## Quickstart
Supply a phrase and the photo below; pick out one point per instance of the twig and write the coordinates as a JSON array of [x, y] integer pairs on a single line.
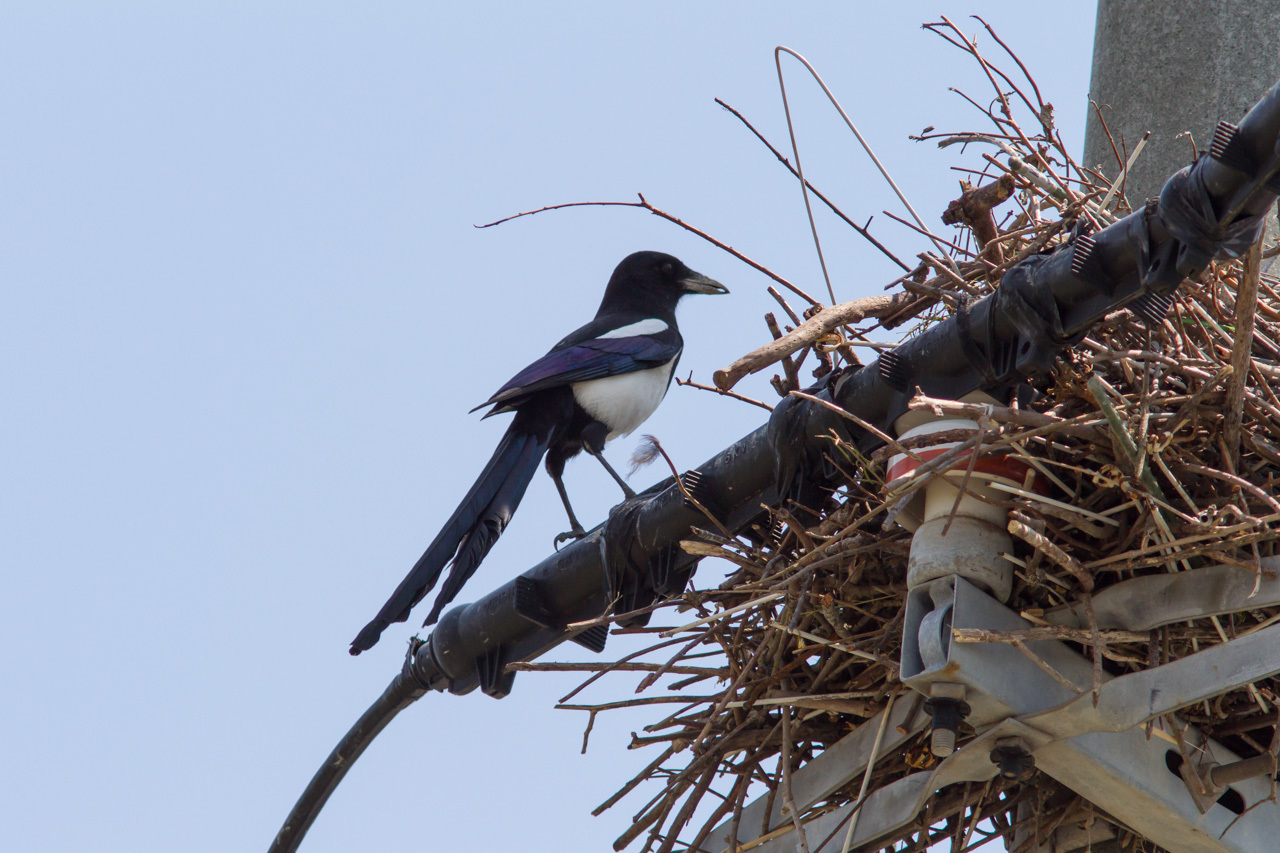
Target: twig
[[788, 799], [1045, 632], [1045, 666], [849, 122], [1246, 298], [722, 614], [722, 392], [808, 332], [1052, 551], [537, 666], [866, 775], [643, 204], [973, 208], [837, 211], [651, 444]]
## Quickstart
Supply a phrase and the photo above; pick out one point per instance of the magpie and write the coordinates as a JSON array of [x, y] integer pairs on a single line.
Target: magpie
[[597, 384]]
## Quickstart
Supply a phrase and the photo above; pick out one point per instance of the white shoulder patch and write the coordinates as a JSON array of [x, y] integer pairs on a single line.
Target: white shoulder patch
[[651, 326]]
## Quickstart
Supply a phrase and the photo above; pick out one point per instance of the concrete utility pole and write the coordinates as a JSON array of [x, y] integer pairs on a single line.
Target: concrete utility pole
[[1175, 66]]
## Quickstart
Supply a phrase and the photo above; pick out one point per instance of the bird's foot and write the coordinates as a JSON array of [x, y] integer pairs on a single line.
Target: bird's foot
[[569, 536]]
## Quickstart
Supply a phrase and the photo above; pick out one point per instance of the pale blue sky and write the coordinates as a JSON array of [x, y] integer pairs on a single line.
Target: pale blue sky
[[246, 312]]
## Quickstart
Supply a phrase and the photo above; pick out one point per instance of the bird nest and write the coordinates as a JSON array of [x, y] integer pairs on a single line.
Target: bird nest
[[1160, 448]]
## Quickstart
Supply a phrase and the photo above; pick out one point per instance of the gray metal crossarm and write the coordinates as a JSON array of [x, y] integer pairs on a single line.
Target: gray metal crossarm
[[896, 805], [834, 768], [1103, 754], [1150, 601], [1131, 700], [1129, 777]]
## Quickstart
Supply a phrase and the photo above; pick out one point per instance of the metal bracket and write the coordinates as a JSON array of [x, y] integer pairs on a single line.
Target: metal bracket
[[1102, 753], [830, 771], [1150, 601]]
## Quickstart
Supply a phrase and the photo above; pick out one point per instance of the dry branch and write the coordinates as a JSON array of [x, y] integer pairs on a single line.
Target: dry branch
[[809, 332], [973, 209]]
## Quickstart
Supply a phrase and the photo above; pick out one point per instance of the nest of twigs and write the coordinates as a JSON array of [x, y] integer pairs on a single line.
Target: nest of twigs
[[1161, 445]]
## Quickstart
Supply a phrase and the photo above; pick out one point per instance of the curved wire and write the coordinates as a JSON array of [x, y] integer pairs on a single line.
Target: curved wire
[[402, 692], [777, 57], [795, 152]]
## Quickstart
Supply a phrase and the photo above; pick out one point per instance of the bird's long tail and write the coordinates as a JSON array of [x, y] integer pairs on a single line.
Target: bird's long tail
[[469, 533]]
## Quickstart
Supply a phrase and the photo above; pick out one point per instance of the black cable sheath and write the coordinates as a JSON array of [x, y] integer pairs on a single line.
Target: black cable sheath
[[402, 692]]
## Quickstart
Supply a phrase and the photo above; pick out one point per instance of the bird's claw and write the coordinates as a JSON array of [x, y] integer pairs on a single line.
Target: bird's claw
[[569, 536]]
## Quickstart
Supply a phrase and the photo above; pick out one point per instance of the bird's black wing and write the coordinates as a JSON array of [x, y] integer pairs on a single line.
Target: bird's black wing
[[593, 358]]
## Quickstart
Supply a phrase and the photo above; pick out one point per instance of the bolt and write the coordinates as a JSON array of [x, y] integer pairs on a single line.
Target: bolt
[[946, 713], [1015, 762], [1222, 775], [942, 742]]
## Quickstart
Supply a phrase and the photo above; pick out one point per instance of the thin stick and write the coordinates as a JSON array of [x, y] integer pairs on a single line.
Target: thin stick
[[788, 800], [722, 614], [723, 392], [1045, 632], [1052, 551], [538, 666], [865, 146], [837, 211], [1246, 298], [643, 204], [1124, 172], [866, 776], [1044, 665]]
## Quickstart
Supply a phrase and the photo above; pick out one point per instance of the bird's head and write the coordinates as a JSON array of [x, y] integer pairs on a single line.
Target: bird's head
[[652, 282]]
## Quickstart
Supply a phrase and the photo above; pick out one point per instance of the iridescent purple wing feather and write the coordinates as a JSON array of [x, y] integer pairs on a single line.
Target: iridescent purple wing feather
[[592, 359]]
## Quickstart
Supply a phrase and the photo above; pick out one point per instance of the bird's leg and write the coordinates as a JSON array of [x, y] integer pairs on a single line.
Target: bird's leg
[[626, 490], [594, 435], [555, 467]]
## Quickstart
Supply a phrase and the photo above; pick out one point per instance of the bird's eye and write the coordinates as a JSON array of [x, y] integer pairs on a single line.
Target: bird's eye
[[668, 268]]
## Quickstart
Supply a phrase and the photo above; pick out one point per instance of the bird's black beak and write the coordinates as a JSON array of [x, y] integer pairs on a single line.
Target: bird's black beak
[[696, 282]]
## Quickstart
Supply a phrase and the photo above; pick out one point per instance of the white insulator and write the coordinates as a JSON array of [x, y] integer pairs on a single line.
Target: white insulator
[[971, 549], [961, 501]]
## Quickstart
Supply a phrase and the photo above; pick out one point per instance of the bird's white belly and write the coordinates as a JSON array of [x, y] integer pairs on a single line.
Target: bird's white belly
[[625, 401]]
